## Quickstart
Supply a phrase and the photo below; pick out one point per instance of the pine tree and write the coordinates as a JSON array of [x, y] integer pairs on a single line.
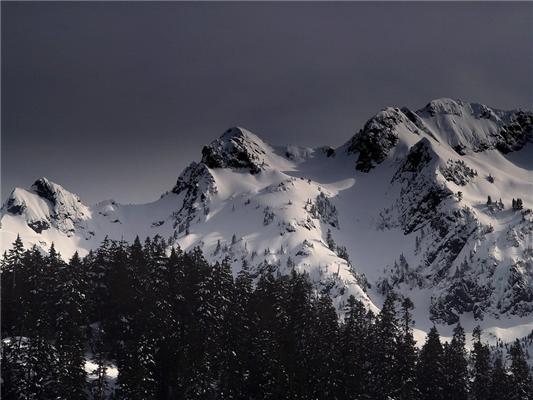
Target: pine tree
[[11, 268], [481, 367], [13, 371], [499, 387], [98, 265], [521, 384], [99, 386], [354, 348], [296, 335], [456, 367], [330, 241], [69, 338], [385, 380], [407, 354], [169, 355], [430, 372], [268, 378], [39, 379], [237, 367], [324, 351]]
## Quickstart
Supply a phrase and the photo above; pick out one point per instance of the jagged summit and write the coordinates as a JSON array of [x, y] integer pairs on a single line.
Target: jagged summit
[[473, 127], [46, 205], [237, 148], [380, 134], [465, 127]]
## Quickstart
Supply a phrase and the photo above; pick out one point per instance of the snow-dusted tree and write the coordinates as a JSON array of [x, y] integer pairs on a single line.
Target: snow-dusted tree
[[500, 384], [521, 382], [330, 241]]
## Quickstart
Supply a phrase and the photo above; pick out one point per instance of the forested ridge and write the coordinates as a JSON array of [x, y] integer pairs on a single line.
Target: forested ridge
[[177, 327]]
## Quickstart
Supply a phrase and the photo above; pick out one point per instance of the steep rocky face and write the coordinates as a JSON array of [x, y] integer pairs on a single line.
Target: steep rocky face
[[197, 185], [237, 148], [515, 134], [378, 137]]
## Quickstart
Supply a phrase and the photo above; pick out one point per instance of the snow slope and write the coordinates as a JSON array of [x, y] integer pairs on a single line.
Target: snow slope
[[404, 201]]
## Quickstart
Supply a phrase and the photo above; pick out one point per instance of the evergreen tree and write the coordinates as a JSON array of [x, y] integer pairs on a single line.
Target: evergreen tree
[[354, 347], [330, 241], [10, 270], [180, 328], [456, 367], [521, 384], [481, 371], [99, 386], [39, 379], [499, 387], [268, 378], [324, 354], [385, 380], [407, 354], [13, 371], [69, 338], [430, 372], [296, 337], [238, 363]]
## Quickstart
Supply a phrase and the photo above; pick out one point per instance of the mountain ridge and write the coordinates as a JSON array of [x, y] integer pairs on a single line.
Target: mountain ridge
[[401, 205]]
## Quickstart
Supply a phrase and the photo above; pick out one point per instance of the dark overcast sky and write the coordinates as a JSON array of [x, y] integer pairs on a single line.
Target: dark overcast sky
[[113, 100]]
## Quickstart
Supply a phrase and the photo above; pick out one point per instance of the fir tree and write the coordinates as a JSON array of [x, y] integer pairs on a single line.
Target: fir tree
[[521, 384], [354, 346], [456, 367], [430, 372], [268, 378], [407, 354], [385, 380], [324, 351], [330, 241], [481, 370], [499, 387], [68, 330], [237, 367]]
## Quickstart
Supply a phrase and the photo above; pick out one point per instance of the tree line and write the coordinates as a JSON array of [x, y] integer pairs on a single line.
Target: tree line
[[177, 327]]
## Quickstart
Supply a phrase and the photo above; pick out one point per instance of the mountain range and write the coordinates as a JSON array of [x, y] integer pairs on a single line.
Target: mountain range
[[434, 204]]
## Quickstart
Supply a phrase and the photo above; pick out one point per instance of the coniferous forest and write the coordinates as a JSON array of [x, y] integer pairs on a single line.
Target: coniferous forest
[[177, 327]]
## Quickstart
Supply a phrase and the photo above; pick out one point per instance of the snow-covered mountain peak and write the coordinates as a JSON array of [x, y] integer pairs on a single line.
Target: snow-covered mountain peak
[[447, 106], [48, 204], [238, 148], [381, 134], [473, 127]]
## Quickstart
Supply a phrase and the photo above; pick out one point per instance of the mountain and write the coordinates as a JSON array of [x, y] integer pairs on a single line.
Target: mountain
[[402, 205]]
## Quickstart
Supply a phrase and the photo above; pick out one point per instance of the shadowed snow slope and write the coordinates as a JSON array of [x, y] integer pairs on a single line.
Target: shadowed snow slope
[[402, 205]]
